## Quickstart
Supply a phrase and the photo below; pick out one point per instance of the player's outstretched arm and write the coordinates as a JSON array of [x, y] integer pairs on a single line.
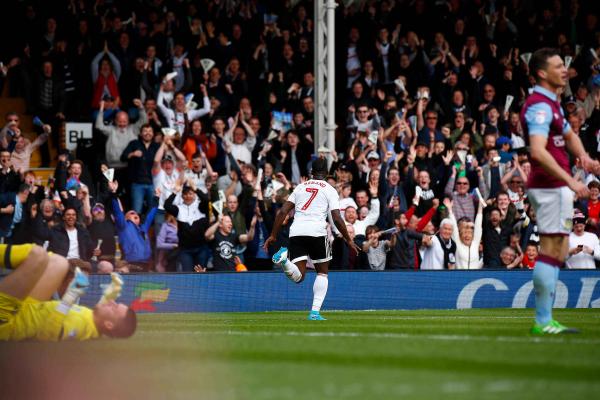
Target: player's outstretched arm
[[279, 218], [341, 226]]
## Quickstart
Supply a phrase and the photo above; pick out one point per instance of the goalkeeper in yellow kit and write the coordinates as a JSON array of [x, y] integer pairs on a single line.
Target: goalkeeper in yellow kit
[[27, 313]]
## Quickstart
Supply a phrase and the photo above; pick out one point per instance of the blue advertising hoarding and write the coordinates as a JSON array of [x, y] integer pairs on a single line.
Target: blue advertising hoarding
[[382, 290]]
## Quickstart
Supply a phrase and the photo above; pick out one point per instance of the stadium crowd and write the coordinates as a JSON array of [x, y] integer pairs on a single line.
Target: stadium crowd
[[203, 111]]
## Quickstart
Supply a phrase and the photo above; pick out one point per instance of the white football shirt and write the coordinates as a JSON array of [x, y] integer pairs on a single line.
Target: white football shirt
[[313, 201]]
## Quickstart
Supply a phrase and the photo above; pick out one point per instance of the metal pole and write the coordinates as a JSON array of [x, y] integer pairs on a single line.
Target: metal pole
[[330, 124], [319, 65]]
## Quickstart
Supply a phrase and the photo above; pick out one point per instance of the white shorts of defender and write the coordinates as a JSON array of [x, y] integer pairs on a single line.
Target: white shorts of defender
[[554, 209]]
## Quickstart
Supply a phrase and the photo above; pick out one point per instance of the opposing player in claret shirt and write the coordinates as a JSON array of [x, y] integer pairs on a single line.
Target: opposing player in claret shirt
[[312, 202], [550, 184]]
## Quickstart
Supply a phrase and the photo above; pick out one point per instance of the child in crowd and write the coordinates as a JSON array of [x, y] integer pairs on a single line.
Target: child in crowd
[[531, 254], [377, 249]]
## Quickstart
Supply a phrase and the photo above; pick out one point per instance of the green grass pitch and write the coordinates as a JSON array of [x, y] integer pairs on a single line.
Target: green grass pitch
[[469, 354]]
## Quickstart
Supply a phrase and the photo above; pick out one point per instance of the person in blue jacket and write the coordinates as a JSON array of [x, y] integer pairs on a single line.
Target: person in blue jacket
[[133, 234]]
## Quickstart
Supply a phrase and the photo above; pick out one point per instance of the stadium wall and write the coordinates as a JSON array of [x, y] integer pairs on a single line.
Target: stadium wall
[[385, 290]]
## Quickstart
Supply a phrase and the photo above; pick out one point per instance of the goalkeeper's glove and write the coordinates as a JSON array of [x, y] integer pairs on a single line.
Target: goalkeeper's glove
[[77, 288], [112, 291]]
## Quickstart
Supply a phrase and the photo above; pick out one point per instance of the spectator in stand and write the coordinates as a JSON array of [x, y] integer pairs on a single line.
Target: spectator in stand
[[11, 210], [50, 105], [70, 239], [375, 248], [224, 241], [440, 250], [463, 203], [166, 175], [119, 136], [106, 71], [180, 117], [362, 118], [593, 203], [167, 242], [48, 214], [199, 171], [102, 228], [139, 156], [153, 118], [510, 259], [242, 140], [196, 140], [133, 235], [21, 155], [70, 175], [467, 236], [190, 210], [360, 226], [496, 236], [405, 254], [294, 158], [531, 254], [429, 133], [584, 247], [425, 192], [345, 257], [9, 177], [237, 215], [255, 255], [10, 132], [492, 171]]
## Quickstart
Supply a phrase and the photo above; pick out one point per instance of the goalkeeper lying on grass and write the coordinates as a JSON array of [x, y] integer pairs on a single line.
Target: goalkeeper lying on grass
[[27, 313]]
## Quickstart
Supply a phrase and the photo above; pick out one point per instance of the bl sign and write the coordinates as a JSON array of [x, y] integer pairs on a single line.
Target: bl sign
[[75, 131]]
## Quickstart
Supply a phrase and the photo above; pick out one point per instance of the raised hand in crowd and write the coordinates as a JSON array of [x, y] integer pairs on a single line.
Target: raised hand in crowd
[[113, 186]]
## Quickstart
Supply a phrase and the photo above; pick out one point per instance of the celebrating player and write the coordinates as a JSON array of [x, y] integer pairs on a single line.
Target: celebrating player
[[26, 313], [312, 202], [551, 185]]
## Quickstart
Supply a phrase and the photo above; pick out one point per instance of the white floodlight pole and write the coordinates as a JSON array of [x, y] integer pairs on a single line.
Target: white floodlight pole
[[324, 119]]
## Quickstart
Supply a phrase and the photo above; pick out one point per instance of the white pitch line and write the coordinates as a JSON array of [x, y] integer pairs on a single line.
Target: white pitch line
[[389, 335]]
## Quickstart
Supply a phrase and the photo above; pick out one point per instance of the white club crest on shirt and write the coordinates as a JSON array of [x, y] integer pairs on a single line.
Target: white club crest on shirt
[[540, 116]]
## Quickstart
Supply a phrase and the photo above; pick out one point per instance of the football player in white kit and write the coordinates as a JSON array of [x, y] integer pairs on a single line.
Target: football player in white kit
[[312, 202]]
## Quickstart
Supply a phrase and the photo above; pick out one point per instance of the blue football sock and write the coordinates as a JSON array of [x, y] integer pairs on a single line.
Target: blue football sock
[[544, 284], [556, 272]]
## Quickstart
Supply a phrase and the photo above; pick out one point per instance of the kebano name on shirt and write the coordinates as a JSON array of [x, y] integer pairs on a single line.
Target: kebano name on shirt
[[315, 182]]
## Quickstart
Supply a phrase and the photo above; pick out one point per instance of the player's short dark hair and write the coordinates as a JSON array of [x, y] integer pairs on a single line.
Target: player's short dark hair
[[319, 167], [126, 327], [539, 60]]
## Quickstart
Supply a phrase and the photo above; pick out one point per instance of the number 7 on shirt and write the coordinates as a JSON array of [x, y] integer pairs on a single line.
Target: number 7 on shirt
[[313, 193]]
